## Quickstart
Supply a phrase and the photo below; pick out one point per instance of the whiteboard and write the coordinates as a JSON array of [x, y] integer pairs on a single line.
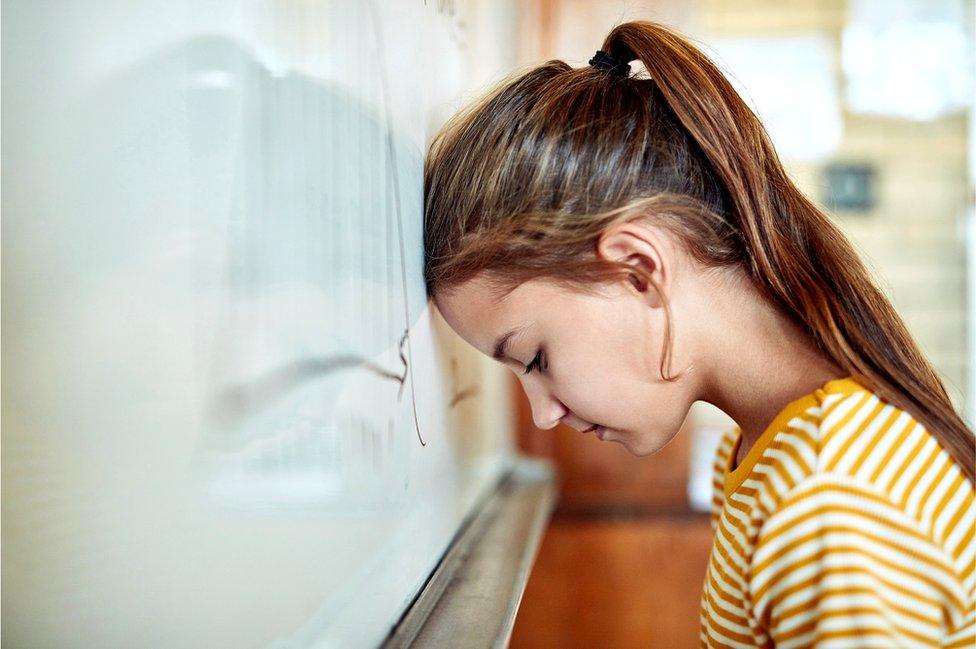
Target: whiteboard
[[229, 417]]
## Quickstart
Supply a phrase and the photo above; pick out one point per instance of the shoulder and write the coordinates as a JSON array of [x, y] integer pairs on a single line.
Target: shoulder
[[852, 433], [867, 441], [852, 448]]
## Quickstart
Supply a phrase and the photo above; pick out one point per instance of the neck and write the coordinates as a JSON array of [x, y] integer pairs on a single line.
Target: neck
[[760, 363]]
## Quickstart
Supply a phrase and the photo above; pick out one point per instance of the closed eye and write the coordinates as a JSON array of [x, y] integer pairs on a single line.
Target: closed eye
[[535, 361]]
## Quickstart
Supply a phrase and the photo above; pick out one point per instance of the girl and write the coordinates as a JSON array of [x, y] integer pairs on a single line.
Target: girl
[[593, 230]]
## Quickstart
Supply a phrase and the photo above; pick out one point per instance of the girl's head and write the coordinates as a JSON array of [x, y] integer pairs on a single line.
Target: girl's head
[[614, 212], [581, 354]]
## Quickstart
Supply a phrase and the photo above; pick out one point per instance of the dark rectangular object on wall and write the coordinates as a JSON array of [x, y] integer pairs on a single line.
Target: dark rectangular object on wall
[[849, 186]]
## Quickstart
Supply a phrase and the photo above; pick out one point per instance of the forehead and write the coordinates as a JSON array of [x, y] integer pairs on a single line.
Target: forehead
[[474, 311]]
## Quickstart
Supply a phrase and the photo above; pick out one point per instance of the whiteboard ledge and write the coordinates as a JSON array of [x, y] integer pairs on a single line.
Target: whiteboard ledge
[[474, 592]]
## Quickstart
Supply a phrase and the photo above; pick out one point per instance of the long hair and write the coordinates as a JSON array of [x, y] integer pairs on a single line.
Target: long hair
[[522, 183]]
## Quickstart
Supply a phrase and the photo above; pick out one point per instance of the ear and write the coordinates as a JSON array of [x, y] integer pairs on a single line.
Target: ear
[[639, 244]]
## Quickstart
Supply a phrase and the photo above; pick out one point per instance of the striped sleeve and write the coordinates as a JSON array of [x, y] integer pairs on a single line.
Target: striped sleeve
[[838, 565]]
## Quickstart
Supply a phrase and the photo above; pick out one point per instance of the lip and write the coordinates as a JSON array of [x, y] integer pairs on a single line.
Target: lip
[[595, 428]]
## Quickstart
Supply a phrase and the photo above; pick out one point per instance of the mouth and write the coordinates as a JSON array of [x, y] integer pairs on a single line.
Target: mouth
[[599, 430]]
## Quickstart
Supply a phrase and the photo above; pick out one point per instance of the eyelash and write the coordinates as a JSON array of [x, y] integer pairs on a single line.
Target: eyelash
[[536, 360]]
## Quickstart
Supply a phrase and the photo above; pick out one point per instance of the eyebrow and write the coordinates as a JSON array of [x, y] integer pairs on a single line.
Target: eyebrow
[[501, 345]]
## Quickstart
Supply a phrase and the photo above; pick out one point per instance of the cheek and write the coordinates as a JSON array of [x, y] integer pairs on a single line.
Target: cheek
[[606, 368], [601, 372], [598, 388]]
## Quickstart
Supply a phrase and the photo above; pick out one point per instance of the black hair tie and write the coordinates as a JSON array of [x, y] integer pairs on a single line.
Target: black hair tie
[[607, 61]]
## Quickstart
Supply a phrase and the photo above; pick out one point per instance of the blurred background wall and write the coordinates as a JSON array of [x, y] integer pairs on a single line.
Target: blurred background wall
[[869, 103]]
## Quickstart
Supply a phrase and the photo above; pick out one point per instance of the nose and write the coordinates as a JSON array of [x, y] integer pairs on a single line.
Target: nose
[[547, 410]]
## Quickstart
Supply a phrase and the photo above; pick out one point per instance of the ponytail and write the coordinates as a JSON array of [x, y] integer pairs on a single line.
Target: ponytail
[[797, 256]]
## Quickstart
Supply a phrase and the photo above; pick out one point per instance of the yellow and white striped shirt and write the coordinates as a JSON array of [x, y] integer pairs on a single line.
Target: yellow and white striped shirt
[[846, 525]]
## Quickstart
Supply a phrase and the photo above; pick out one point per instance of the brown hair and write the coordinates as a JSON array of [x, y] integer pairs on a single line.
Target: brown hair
[[522, 183]]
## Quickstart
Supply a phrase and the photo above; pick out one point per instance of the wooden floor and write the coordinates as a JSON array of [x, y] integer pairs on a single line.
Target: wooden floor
[[635, 581]]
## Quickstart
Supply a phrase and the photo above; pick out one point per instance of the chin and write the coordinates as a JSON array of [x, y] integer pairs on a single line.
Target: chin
[[641, 452], [642, 448], [637, 451]]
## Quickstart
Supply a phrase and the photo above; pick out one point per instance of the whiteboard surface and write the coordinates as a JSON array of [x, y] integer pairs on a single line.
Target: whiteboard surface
[[229, 419]]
